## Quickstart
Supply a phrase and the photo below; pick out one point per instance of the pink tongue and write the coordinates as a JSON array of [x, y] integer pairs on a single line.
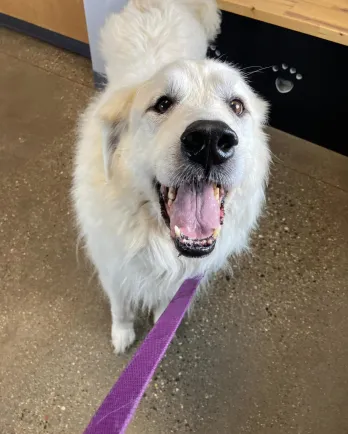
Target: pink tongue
[[195, 211]]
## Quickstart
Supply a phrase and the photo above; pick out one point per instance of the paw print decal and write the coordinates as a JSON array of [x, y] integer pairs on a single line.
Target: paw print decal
[[286, 77], [213, 51]]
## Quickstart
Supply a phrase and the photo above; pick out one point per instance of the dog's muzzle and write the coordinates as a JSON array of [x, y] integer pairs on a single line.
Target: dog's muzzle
[[208, 143]]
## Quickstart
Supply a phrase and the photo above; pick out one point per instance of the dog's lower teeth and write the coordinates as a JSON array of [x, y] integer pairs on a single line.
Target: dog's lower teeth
[[170, 202], [203, 242]]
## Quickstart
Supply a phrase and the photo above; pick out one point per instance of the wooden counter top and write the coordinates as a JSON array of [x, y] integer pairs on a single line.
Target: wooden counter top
[[326, 19]]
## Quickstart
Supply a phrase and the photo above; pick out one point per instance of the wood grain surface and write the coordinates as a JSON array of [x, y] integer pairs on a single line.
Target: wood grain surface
[[326, 19], [66, 17]]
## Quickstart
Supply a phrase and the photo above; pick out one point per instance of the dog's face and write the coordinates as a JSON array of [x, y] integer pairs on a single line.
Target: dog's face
[[191, 135]]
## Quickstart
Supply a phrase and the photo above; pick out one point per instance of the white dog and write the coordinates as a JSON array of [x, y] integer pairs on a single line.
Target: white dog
[[171, 162]]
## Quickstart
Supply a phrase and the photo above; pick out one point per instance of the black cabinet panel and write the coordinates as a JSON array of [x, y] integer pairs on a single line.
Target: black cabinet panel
[[305, 80]]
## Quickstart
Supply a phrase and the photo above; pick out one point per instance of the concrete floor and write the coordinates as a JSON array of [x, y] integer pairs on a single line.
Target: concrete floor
[[265, 353]]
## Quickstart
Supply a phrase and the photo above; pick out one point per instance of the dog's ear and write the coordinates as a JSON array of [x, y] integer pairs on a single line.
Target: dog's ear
[[114, 113]]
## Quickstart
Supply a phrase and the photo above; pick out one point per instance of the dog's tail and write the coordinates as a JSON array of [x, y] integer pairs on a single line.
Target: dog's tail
[[206, 11], [208, 14], [112, 34]]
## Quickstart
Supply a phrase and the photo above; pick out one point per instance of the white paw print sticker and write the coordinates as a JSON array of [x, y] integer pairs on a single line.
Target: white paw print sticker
[[286, 77], [216, 52]]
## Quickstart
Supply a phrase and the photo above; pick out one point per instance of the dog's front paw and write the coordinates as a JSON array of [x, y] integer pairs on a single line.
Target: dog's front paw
[[122, 337]]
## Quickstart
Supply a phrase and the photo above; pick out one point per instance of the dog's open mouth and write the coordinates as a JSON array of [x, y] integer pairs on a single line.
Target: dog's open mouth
[[194, 213]]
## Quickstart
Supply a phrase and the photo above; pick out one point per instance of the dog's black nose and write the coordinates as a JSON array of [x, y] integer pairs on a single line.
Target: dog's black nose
[[208, 142]]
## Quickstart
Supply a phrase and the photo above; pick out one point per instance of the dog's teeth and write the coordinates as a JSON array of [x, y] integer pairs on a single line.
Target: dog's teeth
[[171, 193], [216, 232], [216, 192], [170, 202], [210, 241], [177, 231]]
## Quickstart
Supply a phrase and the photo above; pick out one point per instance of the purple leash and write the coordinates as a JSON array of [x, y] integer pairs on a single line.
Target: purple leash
[[118, 408]]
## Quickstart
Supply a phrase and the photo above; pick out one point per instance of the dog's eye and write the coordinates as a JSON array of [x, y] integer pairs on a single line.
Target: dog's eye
[[163, 104], [237, 106]]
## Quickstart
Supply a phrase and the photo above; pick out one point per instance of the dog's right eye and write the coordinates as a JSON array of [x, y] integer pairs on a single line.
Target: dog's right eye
[[163, 104]]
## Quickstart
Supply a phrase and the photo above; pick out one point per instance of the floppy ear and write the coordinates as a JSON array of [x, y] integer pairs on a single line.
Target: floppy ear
[[114, 113]]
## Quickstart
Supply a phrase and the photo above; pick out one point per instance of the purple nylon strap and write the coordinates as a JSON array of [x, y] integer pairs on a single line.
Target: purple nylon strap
[[119, 406]]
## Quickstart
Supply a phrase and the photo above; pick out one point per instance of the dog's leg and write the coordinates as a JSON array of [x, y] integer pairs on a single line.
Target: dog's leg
[[122, 329]]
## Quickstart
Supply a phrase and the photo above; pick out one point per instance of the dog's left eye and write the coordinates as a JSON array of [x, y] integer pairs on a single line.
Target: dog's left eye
[[237, 106], [163, 104]]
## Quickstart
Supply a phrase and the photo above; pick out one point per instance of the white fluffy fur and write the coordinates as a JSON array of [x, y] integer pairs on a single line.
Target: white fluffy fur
[[150, 45]]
